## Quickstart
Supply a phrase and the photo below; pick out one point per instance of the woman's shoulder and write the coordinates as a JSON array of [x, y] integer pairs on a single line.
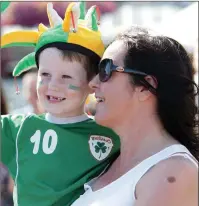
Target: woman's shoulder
[[176, 175]]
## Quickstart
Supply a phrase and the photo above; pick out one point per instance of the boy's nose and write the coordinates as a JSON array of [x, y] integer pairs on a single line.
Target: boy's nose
[[94, 83], [54, 87]]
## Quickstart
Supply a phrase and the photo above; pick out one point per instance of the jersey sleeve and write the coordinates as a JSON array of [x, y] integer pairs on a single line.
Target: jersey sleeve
[[10, 125]]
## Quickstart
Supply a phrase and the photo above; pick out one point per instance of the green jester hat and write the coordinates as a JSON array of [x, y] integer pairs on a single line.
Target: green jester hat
[[76, 32]]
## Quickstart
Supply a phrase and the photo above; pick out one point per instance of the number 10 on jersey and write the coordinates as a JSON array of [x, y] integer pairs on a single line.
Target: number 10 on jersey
[[48, 142]]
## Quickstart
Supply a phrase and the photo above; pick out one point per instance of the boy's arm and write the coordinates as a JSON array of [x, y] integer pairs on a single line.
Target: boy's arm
[[10, 125]]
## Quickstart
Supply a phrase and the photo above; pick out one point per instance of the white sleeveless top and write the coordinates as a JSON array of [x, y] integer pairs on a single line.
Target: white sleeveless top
[[121, 191]]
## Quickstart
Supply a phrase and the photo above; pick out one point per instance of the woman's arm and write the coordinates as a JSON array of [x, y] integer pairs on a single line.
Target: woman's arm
[[173, 182]]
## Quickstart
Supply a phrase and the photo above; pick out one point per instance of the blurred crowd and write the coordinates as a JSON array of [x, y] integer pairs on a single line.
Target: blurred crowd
[[23, 13], [31, 18]]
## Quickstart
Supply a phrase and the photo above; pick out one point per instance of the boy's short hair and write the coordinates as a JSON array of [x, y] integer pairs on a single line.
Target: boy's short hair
[[90, 66]]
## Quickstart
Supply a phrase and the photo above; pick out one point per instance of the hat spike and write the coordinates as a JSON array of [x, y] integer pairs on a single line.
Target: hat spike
[[71, 17], [54, 18], [91, 18], [82, 10]]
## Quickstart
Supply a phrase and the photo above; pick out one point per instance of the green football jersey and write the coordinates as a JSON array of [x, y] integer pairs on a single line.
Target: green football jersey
[[51, 162]]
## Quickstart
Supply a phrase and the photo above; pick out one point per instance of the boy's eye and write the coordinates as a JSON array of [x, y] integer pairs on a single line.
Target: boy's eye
[[45, 74], [66, 77]]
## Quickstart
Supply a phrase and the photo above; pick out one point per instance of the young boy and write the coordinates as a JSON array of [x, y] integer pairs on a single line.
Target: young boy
[[51, 156]]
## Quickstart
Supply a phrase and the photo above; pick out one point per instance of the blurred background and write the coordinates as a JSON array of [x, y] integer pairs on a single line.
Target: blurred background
[[175, 19]]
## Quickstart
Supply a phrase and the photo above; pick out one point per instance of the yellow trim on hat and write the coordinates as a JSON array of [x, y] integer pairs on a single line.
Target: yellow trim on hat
[[87, 42], [19, 37], [67, 18]]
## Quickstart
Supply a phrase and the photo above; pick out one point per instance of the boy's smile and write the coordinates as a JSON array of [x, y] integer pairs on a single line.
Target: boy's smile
[[54, 99]]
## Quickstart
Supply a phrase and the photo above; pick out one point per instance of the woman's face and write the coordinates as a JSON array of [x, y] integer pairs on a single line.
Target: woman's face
[[117, 94]]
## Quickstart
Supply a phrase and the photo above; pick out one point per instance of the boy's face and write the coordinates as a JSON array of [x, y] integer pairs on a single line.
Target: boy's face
[[62, 85]]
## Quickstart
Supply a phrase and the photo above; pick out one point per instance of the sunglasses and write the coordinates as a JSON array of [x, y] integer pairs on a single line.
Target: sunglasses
[[106, 67]]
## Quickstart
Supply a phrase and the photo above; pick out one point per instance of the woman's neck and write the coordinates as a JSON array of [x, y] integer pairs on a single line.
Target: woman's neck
[[140, 140]]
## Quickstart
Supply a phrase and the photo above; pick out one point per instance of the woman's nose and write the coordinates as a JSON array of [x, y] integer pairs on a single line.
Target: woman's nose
[[94, 83]]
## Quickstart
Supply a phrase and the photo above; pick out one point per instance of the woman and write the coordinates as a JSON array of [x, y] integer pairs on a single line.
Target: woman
[[146, 94]]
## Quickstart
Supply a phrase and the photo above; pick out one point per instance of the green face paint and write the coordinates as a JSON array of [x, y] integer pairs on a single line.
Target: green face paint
[[73, 87]]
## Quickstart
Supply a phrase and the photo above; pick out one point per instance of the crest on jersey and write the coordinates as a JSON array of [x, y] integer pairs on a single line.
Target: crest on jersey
[[100, 146]]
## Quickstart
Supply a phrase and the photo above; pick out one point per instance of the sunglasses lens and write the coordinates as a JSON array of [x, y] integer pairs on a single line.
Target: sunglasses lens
[[104, 71]]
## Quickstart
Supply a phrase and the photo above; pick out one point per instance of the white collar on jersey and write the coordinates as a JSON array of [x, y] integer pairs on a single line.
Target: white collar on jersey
[[67, 120]]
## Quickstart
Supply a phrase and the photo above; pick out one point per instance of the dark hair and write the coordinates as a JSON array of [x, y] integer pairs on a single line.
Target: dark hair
[[168, 61], [90, 66]]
